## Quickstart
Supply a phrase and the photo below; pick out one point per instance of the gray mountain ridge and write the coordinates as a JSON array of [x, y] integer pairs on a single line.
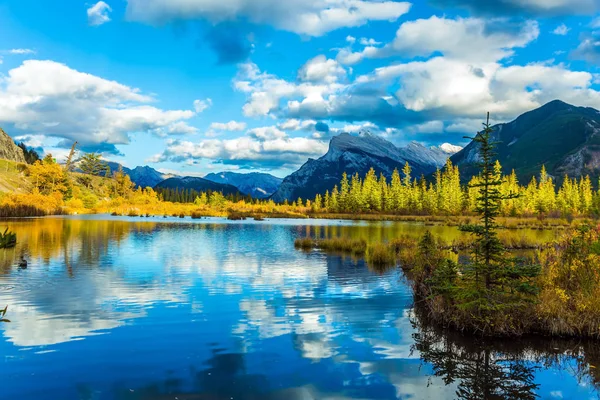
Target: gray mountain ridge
[[357, 154]]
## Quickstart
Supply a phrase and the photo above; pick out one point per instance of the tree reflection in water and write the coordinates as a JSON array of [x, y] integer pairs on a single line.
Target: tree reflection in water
[[487, 369]]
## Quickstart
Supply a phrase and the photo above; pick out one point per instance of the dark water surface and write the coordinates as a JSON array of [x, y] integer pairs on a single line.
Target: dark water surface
[[120, 308]]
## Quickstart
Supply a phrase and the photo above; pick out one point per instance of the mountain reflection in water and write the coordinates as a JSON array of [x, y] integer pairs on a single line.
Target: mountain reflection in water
[[120, 308]]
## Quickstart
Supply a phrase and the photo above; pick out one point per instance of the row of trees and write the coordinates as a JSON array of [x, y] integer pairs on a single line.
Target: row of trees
[[402, 194], [177, 195], [445, 195]]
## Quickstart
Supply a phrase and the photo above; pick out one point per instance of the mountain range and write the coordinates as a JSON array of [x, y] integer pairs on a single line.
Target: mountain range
[[197, 184], [563, 137], [255, 184], [357, 154], [142, 176]]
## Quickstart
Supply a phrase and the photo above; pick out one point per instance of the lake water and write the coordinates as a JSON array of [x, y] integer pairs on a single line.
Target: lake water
[[122, 308]]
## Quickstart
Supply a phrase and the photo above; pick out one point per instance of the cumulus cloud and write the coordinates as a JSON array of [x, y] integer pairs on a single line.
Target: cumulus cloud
[[264, 147], [306, 17], [98, 14], [531, 7], [231, 126], [202, 105], [321, 69], [51, 99], [455, 89], [265, 91], [441, 89], [294, 124], [561, 30], [461, 38]]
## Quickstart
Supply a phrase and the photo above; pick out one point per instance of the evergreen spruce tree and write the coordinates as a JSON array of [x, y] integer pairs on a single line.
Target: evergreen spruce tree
[[498, 280]]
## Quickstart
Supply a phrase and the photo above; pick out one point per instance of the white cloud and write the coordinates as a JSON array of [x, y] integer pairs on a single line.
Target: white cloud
[[350, 39], [369, 42], [588, 49], [294, 124], [458, 89], [260, 147], [450, 148], [306, 17], [31, 140], [462, 38], [98, 14], [561, 30], [232, 126], [321, 69], [21, 51], [45, 97], [267, 133], [265, 91], [202, 105]]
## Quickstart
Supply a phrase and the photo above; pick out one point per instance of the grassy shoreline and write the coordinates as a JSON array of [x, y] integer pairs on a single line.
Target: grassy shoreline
[[567, 304], [246, 211]]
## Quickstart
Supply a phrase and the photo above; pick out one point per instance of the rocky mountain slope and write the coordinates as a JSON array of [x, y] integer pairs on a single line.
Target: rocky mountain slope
[[563, 137], [9, 150], [352, 154], [255, 184]]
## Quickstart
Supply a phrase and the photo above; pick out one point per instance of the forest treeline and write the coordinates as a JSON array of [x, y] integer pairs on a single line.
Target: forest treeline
[[444, 194], [56, 189]]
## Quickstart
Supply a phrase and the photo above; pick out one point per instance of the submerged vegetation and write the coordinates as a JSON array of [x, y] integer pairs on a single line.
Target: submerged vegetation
[[3, 315], [8, 239]]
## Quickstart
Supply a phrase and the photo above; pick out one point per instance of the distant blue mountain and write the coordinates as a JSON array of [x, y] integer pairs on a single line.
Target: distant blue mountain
[[197, 184], [255, 184], [142, 176]]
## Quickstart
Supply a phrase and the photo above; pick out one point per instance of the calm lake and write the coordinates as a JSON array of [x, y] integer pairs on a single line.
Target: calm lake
[[153, 308]]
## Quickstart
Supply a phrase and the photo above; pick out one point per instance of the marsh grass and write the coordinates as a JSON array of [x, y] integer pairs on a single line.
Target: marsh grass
[[304, 243], [24, 210], [8, 239], [380, 255], [357, 247]]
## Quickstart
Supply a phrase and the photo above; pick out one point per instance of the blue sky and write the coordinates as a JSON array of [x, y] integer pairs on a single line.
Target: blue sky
[[198, 86]]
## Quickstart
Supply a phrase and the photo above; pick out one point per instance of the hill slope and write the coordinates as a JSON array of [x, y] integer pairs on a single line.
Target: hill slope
[[255, 184], [9, 150], [563, 137], [357, 154]]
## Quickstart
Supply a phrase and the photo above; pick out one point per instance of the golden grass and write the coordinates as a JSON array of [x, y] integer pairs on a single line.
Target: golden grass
[[380, 255]]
